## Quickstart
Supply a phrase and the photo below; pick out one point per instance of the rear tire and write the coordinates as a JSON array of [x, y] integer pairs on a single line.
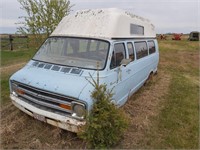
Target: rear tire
[[150, 77]]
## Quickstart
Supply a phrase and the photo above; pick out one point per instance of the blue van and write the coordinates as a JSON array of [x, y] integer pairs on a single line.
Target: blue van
[[53, 86]]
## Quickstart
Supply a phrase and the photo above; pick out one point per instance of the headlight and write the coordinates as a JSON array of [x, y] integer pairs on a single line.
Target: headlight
[[78, 110], [14, 88]]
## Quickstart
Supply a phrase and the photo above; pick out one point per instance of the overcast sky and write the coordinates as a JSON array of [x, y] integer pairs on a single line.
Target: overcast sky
[[180, 16]]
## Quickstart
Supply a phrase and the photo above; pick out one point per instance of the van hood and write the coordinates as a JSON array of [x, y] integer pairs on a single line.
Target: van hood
[[53, 81]]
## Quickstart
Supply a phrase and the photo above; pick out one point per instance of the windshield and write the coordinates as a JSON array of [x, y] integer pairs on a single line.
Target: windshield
[[77, 52]]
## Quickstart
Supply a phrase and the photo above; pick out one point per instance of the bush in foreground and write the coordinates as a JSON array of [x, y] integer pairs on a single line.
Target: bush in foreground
[[106, 123]]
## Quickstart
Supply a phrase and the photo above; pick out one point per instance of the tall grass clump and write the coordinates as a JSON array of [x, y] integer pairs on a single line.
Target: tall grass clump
[[105, 123]]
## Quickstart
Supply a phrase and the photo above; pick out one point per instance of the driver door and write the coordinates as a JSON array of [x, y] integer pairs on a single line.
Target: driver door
[[118, 77]]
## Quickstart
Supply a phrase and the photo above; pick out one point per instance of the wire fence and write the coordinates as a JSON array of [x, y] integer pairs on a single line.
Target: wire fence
[[18, 41]]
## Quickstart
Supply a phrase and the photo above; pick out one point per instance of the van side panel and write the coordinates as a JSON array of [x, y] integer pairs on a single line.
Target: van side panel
[[127, 80], [142, 69]]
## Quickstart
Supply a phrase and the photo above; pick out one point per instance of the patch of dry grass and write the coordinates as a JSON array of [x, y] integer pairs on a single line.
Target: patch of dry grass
[[141, 108]]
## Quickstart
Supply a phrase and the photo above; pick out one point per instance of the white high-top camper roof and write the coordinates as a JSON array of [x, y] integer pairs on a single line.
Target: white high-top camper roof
[[105, 23]]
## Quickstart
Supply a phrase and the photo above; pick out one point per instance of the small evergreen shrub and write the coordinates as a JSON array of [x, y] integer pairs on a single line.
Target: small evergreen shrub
[[105, 123]]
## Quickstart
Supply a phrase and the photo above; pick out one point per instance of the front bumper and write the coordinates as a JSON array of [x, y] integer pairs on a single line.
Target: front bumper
[[57, 120]]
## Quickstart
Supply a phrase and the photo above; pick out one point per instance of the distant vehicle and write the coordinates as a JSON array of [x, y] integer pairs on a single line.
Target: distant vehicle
[[163, 37], [177, 36], [194, 36], [53, 87]]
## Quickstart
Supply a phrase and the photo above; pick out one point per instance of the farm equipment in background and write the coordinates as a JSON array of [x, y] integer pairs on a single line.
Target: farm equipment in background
[[194, 36], [177, 36], [163, 37]]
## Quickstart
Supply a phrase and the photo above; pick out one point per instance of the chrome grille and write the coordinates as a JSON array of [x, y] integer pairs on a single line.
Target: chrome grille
[[44, 99]]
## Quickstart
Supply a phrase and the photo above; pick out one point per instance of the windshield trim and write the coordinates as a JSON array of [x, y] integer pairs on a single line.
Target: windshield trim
[[76, 38]]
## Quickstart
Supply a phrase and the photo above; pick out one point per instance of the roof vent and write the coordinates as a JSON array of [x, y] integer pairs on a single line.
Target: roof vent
[[35, 63], [41, 65], [76, 71], [56, 68], [47, 66], [65, 70]]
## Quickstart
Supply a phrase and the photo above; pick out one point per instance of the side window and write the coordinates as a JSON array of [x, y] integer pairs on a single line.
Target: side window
[[118, 54], [137, 29], [141, 49], [152, 48], [131, 51], [113, 61]]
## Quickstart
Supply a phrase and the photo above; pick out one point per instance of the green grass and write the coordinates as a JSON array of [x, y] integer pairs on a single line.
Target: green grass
[[169, 45], [180, 114], [5, 88], [177, 125], [12, 58], [16, 56]]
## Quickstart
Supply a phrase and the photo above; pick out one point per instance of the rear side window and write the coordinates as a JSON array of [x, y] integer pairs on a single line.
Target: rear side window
[[141, 49], [118, 54], [136, 29], [131, 51], [152, 48]]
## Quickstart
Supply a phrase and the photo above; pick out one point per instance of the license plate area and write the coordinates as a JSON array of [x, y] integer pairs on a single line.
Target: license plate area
[[39, 117]]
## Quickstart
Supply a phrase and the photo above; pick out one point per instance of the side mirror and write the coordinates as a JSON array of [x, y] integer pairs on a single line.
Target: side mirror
[[125, 62]]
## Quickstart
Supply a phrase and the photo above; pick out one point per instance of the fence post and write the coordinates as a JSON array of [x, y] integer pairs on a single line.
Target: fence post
[[11, 44], [27, 42]]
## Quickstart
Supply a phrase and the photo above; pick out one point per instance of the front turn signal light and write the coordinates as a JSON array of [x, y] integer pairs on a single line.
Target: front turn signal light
[[19, 91], [65, 106]]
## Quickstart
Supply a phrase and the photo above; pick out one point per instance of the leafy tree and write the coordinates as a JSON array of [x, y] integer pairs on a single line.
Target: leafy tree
[[42, 15]]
